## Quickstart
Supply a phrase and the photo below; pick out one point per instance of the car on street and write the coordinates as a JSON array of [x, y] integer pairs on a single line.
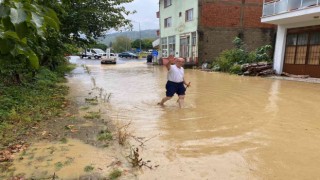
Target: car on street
[[112, 59], [94, 53], [128, 55]]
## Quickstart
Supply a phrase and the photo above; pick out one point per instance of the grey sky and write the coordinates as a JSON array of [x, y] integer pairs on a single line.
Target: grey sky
[[146, 14]]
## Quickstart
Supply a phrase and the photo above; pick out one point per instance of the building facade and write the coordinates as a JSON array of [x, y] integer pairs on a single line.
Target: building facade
[[178, 29], [297, 49], [199, 30]]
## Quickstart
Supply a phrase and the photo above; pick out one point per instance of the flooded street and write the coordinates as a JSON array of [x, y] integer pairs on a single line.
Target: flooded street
[[231, 127]]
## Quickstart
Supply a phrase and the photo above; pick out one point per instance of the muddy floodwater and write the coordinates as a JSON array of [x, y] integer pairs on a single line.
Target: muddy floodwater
[[230, 128]]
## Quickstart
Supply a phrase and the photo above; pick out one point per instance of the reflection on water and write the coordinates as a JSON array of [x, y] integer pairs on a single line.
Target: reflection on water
[[231, 128], [272, 106]]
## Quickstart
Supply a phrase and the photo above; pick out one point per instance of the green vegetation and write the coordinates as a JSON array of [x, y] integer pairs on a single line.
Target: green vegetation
[[116, 173], [63, 140], [35, 36], [105, 135], [92, 115], [231, 60], [121, 44], [59, 165], [22, 106], [88, 168], [145, 43]]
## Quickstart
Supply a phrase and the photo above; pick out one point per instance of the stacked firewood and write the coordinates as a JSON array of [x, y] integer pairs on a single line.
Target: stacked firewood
[[258, 69]]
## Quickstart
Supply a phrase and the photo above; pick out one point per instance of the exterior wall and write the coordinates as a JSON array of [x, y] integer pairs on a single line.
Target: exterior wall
[[179, 25], [220, 21], [279, 49], [280, 46]]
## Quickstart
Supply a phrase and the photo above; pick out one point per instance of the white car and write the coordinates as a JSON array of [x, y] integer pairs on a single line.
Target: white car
[[112, 59], [93, 53]]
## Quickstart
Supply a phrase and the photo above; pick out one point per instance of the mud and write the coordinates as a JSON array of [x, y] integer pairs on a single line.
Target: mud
[[230, 128]]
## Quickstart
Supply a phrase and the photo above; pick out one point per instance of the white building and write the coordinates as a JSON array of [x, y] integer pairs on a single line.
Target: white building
[[297, 49], [178, 29]]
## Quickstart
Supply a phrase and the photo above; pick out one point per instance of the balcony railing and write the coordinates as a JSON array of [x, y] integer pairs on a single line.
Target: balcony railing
[[274, 7]]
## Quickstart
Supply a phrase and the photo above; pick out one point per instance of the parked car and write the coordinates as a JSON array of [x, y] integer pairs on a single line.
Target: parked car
[[128, 55], [112, 59], [93, 53]]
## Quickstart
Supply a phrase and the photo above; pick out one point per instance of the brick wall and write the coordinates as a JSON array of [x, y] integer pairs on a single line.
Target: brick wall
[[220, 21]]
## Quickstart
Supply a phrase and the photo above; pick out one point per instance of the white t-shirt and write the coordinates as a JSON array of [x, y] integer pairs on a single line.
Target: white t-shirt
[[175, 74]]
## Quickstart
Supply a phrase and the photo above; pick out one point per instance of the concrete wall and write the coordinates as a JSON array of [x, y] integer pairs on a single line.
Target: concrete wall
[[179, 26], [220, 21]]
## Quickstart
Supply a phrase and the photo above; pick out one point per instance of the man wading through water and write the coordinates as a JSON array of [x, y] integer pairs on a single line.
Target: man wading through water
[[176, 82]]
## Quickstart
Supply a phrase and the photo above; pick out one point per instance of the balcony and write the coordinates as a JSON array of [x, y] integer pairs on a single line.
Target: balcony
[[275, 7]]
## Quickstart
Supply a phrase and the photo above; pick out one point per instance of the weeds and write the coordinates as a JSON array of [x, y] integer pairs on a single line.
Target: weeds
[[116, 173], [136, 161], [26, 104], [63, 140], [105, 135], [88, 168], [92, 101], [93, 115], [58, 165], [123, 134]]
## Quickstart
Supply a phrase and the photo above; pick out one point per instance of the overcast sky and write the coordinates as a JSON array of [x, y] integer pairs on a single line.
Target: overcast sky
[[146, 14]]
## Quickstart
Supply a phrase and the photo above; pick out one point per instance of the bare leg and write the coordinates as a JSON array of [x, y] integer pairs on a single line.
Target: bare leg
[[165, 99], [181, 101]]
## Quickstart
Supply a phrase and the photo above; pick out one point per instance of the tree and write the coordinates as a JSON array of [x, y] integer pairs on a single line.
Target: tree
[[136, 43], [91, 18], [98, 45], [145, 44], [36, 33], [121, 44], [23, 29]]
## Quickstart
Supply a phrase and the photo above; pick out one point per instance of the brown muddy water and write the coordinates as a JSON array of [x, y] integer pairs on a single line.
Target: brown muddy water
[[230, 128]]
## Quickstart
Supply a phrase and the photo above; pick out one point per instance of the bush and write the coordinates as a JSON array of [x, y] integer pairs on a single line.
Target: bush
[[236, 69], [231, 60], [230, 57]]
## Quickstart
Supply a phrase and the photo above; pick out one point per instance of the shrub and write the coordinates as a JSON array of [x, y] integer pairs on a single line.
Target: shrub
[[236, 69], [231, 60]]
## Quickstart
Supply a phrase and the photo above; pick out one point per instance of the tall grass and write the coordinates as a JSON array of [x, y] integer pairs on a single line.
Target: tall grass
[[23, 106]]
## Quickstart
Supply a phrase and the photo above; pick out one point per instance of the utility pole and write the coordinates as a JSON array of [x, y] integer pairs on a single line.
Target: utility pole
[[140, 38]]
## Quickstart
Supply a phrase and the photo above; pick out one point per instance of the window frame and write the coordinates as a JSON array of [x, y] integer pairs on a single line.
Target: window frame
[[187, 17], [167, 24], [167, 3]]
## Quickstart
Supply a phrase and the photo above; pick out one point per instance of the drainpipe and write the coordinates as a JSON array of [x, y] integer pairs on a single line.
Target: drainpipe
[[287, 5]]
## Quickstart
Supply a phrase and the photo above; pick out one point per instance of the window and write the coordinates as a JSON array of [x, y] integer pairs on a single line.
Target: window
[[172, 45], [189, 15], [167, 3], [303, 48], [168, 22], [164, 47]]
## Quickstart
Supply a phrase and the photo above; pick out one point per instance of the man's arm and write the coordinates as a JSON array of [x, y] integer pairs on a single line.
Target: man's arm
[[170, 62], [168, 65]]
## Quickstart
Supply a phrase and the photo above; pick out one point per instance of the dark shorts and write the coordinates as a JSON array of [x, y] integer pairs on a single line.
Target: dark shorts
[[173, 88]]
